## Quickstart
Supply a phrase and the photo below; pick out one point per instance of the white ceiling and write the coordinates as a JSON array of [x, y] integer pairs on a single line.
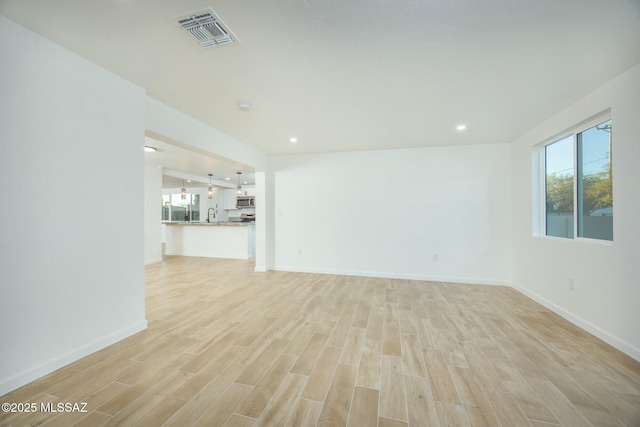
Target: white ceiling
[[185, 167], [360, 74]]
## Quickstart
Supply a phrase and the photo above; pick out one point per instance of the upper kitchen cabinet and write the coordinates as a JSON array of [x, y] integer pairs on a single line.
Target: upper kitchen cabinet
[[229, 199], [248, 191]]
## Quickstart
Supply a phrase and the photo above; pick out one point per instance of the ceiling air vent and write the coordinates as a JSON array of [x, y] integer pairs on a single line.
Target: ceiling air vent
[[207, 28]]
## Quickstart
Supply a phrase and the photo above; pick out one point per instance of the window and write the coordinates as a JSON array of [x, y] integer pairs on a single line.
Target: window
[[578, 184], [174, 208]]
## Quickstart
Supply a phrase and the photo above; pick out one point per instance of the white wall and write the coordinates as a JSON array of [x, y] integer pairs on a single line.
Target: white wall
[[152, 214], [387, 213], [265, 226], [71, 273], [607, 299]]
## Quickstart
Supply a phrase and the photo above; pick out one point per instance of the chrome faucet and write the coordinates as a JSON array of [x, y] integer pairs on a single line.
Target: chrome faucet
[[209, 214]]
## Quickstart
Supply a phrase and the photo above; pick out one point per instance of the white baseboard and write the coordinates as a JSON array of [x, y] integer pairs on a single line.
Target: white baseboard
[[387, 275], [605, 336], [152, 261], [25, 377]]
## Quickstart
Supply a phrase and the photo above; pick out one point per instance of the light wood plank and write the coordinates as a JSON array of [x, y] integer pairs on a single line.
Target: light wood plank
[[315, 349], [162, 412], [370, 363], [310, 355], [623, 411], [455, 358], [472, 397], [336, 406], [223, 408], [362, 316], [283, 402], [195, 406], [92, 419], [393, 402], [558, 403], [388, 422], [391, 345], [254, 404], [536, 423], [506, 409], [340, 332], [374, 327], [364, 408], [302, 338], [239, 421], [421, 406], [320, 379], [306, 413], [412, 357], [452, 415], [260, 364], [482, 369], [563, 381], [353, 346], [530, 403], [439, 378]]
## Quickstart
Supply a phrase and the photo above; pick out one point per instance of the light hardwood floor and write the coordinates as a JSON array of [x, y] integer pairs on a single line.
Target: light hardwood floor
[[230, 347]]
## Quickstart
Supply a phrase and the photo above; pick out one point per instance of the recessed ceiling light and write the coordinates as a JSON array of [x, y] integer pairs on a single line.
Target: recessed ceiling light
[[244, 106], [227, 178], [461, 127], [293, 140], [149, 149]]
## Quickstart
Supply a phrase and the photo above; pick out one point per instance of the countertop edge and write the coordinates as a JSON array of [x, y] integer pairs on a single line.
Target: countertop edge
[[215, 224]]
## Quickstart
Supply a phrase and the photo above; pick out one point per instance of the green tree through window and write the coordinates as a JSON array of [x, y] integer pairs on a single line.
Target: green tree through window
[[589, 182]]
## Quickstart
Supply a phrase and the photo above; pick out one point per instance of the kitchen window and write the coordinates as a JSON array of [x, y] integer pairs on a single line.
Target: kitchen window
[[578, 197], [174, 208]]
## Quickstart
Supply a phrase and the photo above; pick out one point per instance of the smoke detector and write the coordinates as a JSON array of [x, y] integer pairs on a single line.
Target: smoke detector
[[206, 27]]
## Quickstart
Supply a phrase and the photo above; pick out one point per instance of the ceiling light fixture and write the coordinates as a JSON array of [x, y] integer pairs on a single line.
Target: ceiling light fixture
[[238, 188], [149, 149], [210, 189], [244, 106], [183, 192], [293, 140], [460, 128]]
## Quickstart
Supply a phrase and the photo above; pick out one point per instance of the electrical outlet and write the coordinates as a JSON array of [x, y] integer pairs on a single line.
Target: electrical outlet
[[299, 251], [572, 284], [436, 257]]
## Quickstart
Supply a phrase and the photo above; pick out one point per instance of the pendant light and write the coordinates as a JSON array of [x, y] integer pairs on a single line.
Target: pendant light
[[210, 189], [183, 192], [239, 189]]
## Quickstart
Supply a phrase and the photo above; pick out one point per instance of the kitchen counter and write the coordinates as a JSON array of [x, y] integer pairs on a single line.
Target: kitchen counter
[[221, 223], [234, 240]]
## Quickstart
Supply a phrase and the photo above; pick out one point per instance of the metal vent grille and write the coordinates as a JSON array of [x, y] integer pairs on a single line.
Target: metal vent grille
[[207, 28]]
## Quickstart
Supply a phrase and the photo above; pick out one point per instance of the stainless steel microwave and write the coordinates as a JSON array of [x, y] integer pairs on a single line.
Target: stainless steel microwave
[[245, 202]]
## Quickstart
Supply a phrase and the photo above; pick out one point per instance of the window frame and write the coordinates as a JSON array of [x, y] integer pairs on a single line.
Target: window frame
[[540, 202]]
